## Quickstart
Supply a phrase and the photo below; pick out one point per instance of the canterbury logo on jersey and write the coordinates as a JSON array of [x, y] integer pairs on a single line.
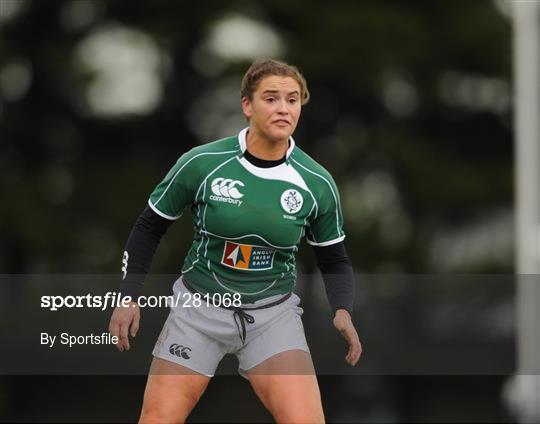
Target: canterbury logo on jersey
[[225, 190], [247, 257]]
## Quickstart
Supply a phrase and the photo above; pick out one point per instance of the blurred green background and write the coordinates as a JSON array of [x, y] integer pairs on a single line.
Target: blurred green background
[[411, 112]]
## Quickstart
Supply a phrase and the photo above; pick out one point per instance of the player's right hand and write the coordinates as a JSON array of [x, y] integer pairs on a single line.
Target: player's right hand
[[125, 322]]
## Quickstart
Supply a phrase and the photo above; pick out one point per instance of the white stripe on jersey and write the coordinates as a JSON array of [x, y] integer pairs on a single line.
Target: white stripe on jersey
[[202, 238], [184, 165], [163, 215], [325, 243], [305, 222], [293, 247], [331, 189]]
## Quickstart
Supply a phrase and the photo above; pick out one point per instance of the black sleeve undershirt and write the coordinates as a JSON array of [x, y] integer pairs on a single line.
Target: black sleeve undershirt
[[149, 228], [338, 275], [141, 247]]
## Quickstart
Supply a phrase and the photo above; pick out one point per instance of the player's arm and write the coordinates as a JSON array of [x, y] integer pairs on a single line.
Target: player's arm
[[325, 233], [338, 275], [339, 282], [140, 249], [139, 252], [166, 204]]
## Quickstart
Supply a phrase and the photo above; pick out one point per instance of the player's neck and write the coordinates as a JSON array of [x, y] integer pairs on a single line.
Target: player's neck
[[264, 148]]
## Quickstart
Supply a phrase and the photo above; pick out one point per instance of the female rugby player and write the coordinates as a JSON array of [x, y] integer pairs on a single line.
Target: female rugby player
[[253, 197]]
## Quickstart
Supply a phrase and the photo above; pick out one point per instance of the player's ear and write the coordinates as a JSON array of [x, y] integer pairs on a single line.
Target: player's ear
[[246, 107]]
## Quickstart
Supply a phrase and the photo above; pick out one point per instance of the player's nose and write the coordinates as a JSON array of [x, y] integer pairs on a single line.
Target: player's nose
[[282, 107]]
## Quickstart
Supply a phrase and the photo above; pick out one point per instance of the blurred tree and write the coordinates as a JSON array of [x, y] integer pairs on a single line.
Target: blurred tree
[[410, 112]]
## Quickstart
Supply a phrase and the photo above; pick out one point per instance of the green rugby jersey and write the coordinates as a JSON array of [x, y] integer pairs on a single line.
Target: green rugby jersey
[[248, 220]]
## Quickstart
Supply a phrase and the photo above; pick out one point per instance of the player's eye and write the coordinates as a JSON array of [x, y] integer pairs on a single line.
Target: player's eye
[[270, 99], [293, 100]]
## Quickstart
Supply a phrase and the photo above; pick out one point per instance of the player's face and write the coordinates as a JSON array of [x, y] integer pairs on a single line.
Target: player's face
[[275, 108]]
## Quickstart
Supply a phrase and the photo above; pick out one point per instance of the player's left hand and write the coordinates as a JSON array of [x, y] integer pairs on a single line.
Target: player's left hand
[[344, 324]]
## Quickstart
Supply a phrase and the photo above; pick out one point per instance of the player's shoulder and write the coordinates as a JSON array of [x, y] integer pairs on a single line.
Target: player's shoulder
[[208, 155], [222, 147], [307, 166], [201, 159]]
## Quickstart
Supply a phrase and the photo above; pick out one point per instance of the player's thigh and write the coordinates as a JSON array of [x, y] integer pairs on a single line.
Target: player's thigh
[[171, 392], [287, 385]]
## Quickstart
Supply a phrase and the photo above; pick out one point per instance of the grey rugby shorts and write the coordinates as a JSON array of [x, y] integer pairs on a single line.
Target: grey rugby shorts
[[199, 337]]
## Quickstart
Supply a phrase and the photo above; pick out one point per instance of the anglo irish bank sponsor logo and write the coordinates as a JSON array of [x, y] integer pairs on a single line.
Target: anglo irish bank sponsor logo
[[226, 190], [291, 201], [247, 257]]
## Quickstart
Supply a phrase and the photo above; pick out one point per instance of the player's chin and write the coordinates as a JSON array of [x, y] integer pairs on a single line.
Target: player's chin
[[280, 132]]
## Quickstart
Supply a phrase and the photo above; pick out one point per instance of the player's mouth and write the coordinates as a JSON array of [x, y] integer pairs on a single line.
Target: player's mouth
[[281, 123]]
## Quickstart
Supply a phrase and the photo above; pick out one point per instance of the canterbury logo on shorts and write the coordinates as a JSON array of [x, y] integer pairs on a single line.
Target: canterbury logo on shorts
[[226, 190], [247, 257]]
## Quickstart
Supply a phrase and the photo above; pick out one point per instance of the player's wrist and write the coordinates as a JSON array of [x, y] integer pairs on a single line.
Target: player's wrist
[[342, 313]]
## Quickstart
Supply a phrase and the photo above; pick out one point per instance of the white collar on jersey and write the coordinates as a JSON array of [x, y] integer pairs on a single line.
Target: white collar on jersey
[[243, 146]]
